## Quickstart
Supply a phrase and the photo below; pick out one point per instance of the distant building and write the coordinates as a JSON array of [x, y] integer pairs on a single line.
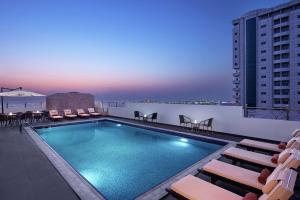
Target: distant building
[[266, 57]]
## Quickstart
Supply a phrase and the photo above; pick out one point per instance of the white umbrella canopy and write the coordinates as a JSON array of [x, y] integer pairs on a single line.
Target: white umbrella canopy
[[20, 93]]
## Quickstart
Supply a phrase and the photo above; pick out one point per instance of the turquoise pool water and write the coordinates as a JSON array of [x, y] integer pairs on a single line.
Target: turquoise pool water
[[122, 161]]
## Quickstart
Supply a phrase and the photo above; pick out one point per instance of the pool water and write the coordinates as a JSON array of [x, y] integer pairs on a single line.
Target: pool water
[[123, 161]]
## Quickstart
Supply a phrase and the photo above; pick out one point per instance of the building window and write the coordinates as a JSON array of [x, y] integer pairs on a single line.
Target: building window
[[235, 33], [285, 83], [284, 37], [276, 65], [276, 39], [298, 54], [298, 92], [284, 19], [277, 21], [276, 30], [235, 49], [298, 16], [298, 35], [276, 74], [285, 64], [298, 83], [263, 76], [263, 93], [276, 101], [285, 46], [285, 74], [298, 26], [298, 45], [284, 28], [285, 55], [263, 85], [298, 102], [298, 74], [263, 43], [276, 57], [298, 64], [262, 60], [277, 83], [285, 92], [276, 48], [263, 26], [276, 92], [235, 64], [235, 41], [263, 68], [263, 51], [263, 102], [263, 34], [285, 101]]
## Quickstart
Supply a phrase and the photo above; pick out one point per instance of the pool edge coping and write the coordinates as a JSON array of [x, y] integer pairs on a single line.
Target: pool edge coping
[[79, 185], [85, 190]]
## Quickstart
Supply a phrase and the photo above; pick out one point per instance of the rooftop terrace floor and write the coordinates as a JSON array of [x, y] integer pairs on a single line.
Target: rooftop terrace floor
[[26, 173]]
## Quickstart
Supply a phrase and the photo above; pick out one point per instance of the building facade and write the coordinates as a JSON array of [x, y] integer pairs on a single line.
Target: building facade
[[266, 58]]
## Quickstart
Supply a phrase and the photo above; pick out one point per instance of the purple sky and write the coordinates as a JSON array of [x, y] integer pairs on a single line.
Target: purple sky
[[121, 49]]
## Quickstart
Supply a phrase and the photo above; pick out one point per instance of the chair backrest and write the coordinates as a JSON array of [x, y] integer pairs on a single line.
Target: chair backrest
[[80, 111], [91, 110], [136, 114], [283, 187], [68, 112], [181, 118], [53, 112], [154, 116], [209, 123]]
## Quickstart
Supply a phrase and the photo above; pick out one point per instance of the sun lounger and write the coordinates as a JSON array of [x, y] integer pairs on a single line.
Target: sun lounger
[[54, 115], [262, 160], [193, 188], [242, 177], [68, 114], [81, 113], [93, 113], [270, 147]]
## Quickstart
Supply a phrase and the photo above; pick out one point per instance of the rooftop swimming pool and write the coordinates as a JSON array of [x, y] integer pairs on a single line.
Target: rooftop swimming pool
[[123, 161]]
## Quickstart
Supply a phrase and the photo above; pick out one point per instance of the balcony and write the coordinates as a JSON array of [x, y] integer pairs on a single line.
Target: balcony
[[236, 74], [236, 89], [236, 82]]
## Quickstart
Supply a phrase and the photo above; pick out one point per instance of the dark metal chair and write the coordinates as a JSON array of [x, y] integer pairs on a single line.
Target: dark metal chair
[[206, 124], [28, 116], [3, 120], [185, 121], [152, 117], [45, 115], [138, 115]]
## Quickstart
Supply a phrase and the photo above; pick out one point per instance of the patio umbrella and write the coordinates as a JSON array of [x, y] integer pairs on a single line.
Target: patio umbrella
[[18, 93]]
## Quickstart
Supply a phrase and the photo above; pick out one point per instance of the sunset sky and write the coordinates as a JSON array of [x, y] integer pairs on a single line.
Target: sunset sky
[[121, 49]]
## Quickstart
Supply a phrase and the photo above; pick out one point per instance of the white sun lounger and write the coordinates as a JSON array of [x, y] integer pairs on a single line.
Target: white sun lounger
[[68, 114], [54, 115], [93, 113], [193, 188], [81, 113], [254, 144], [220, 170], [262, 159]]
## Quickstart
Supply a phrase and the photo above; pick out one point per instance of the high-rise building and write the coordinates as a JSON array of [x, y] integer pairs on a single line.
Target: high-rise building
[[266, 57]]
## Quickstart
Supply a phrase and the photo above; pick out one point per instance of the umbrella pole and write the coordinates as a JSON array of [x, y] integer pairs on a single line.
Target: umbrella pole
[[2, 107]]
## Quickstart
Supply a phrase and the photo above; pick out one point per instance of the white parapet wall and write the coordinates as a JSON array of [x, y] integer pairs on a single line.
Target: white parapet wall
[[227, 119]]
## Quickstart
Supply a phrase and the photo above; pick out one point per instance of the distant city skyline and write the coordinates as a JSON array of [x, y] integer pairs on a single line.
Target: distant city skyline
[[122, 49]]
